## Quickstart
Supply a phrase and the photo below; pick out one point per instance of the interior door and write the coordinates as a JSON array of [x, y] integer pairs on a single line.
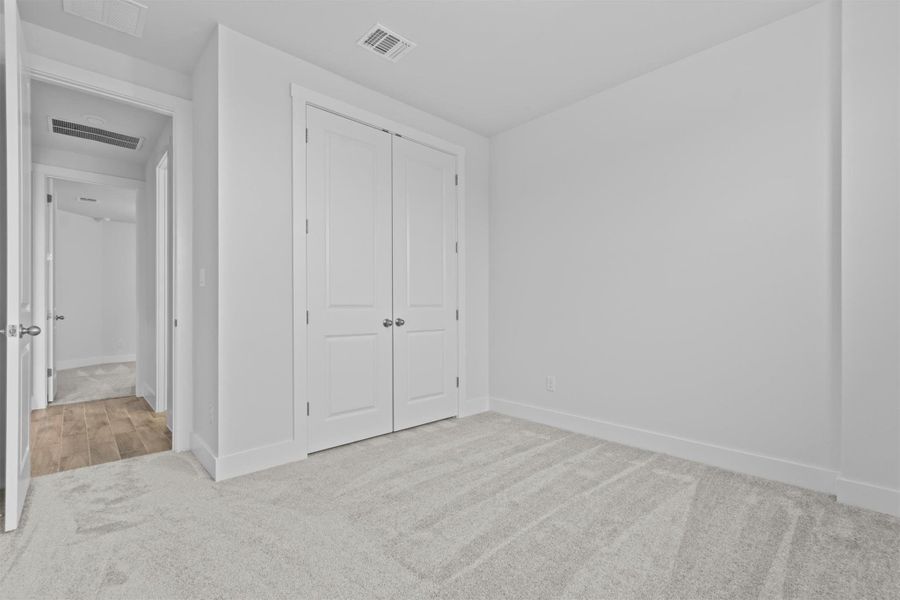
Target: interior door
[[349, 280], [50, 273], [425, 283], [18, 266]]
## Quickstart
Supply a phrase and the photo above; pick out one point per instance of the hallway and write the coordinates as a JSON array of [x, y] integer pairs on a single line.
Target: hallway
[[65, 437]]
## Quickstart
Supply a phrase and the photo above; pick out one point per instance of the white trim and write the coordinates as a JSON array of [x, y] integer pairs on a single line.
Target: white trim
[[89, 361], [181, 111], [41, 174], [302, 97], [80, 176], [150, 398], [258, 459], [204, 455], [161, 255], [806, 476], [474, 406], [144, 391], [866, 495]]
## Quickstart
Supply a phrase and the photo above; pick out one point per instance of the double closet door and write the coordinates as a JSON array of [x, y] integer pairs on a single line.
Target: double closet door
[[382, 282]]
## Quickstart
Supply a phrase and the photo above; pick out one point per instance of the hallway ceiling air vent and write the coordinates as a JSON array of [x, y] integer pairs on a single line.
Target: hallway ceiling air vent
[[95, 134], [384, 42], [126, 16]]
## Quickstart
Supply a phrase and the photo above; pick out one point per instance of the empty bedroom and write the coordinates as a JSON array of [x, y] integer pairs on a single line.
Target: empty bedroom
[[434, 299]]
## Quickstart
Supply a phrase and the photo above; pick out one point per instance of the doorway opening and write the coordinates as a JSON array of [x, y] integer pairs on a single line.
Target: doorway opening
[[102, 193]]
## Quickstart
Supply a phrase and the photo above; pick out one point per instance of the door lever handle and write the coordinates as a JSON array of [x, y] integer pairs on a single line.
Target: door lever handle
[[60, 317], [387, 322], [399, 322]]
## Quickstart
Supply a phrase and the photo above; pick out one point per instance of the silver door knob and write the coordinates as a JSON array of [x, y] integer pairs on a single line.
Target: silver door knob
[[60, 317], [387, 322], [33, 330], [399, 322]]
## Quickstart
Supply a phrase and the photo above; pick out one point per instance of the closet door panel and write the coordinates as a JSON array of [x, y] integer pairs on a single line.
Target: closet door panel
[[425, 271], [349, 280]]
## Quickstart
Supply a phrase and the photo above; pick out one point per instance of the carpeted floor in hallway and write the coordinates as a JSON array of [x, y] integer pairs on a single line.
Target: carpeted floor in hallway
[[483, 507]]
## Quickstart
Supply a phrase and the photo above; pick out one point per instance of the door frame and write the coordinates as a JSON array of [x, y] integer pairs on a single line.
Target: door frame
[[181, 111], [302, 97], [162, 288], [42, 173]]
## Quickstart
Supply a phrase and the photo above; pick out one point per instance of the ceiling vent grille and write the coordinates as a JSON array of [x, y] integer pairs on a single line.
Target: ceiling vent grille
[[126, 16], [384, 42], [95, 134]]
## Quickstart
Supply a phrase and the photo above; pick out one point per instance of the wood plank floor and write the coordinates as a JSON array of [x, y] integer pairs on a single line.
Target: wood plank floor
[[70, 436]]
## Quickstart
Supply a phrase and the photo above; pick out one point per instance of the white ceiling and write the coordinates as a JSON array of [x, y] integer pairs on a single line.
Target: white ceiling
[[487, 65], [115, 204], [59, 102]]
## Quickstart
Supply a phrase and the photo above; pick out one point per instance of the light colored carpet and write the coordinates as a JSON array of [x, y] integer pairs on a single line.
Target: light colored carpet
[[483, 507], [95, 382]]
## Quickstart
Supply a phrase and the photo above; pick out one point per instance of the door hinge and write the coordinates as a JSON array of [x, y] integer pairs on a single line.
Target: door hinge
[[457, 314], [49, 372], [49, 198], [457, 382], [307, 226], [456, 247], [176, 322], [307, 409], [307, 135], [307, 317], [456, 179]]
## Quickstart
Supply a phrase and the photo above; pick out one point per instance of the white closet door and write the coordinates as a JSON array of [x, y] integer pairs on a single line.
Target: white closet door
[[425, 301], [349, 279]]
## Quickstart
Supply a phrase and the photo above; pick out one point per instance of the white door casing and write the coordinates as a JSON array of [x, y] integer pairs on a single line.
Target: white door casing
[[425, 276], [349, 280], [19, 255], [50, 273]]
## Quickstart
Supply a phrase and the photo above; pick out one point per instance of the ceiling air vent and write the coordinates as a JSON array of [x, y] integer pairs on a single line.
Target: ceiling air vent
[[95, 134], [126, 16], [384, 42]]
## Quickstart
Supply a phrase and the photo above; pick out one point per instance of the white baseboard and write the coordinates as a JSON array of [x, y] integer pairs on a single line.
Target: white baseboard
[[259, 459], [866, 495], [204, 455], [77, 363], [473, 406], [148, 395], [806, 476]]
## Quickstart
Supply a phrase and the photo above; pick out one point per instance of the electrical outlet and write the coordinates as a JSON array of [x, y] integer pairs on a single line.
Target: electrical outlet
[[551, 383]]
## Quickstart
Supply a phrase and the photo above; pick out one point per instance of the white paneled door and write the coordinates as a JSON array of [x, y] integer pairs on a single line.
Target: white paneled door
[[349, 280], [19, 327], [382, 282], [425, 302]]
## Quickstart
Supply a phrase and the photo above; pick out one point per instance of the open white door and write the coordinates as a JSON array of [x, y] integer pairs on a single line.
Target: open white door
[[19, 324]]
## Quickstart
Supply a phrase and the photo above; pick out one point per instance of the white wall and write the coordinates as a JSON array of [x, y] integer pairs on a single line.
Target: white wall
[[85, 162], [667, 250], [146, 273], [206, 237], [95, 290], [254, 236], [58, 46], [870, 466]]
